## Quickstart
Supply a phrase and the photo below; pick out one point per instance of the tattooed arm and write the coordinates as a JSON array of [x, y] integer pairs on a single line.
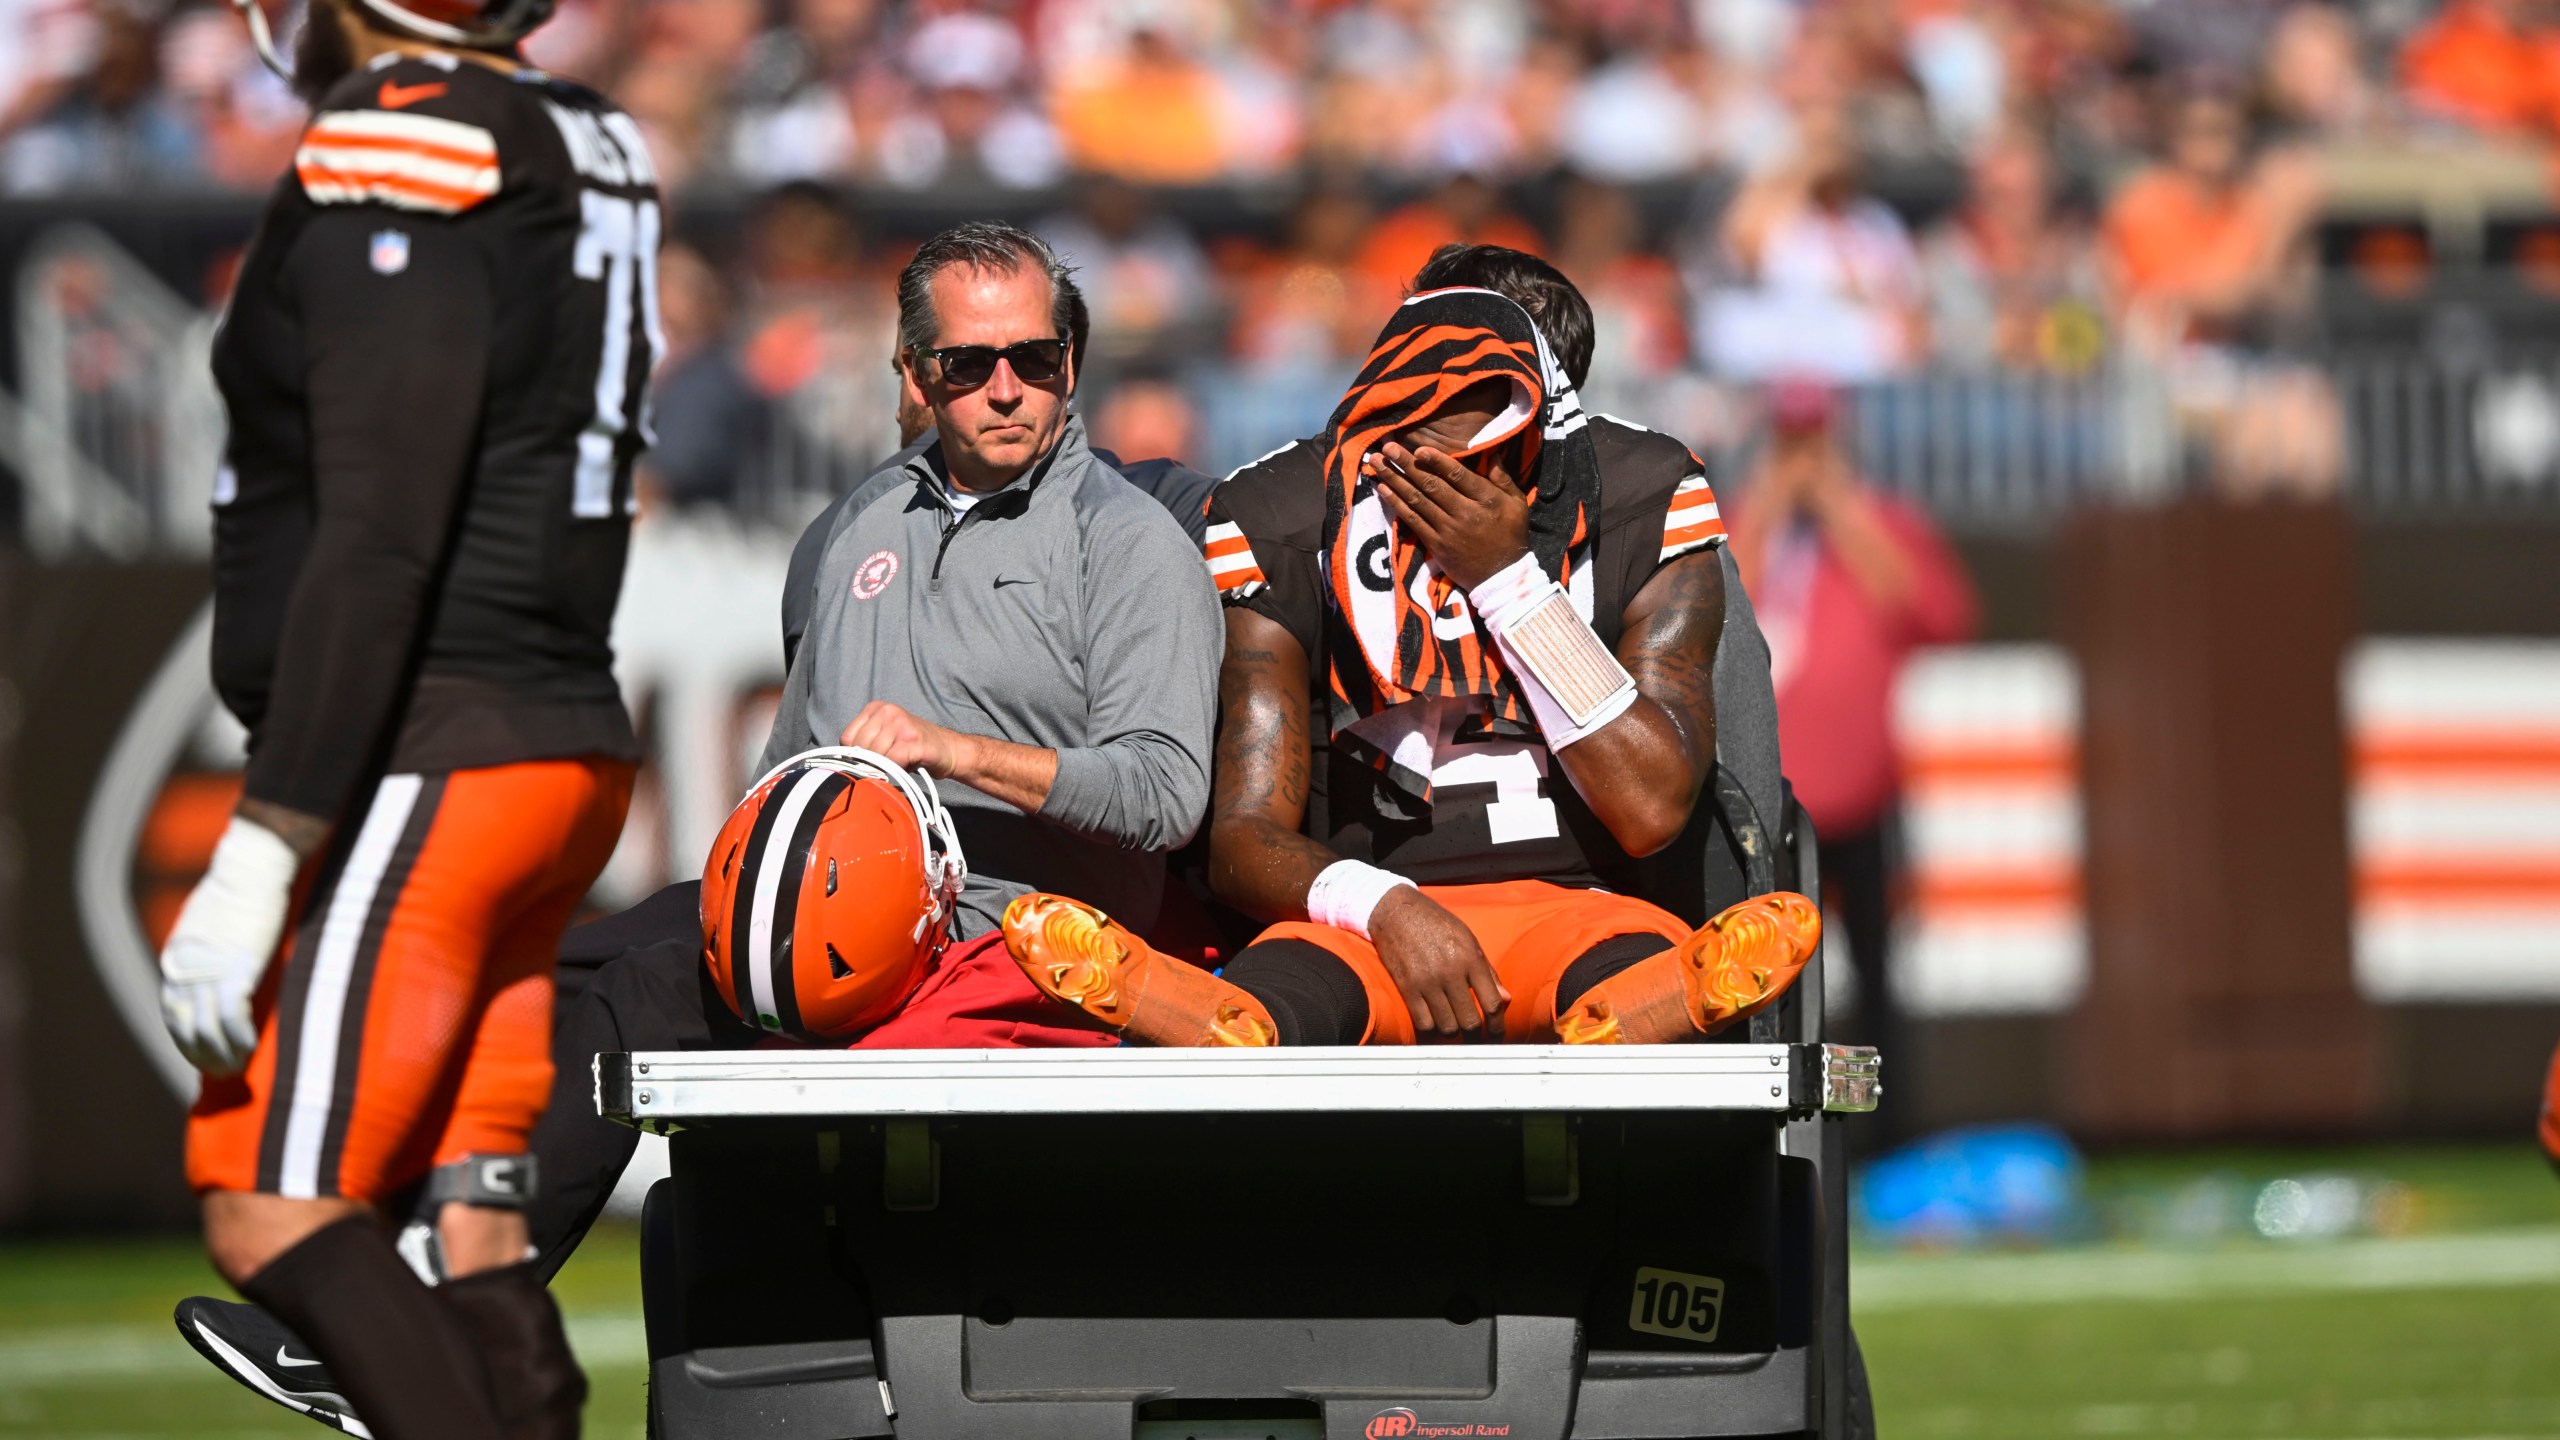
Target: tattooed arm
[[1641, 772], [1261, 863]]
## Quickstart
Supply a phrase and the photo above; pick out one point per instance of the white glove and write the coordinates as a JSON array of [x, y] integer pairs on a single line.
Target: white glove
[[219, 950]]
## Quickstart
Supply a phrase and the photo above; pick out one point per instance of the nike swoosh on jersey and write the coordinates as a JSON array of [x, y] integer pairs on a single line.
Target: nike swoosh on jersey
[[283, 1358], [395, 96]]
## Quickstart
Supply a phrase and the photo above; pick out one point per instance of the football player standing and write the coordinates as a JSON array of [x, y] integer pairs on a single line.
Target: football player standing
[[434, 368]]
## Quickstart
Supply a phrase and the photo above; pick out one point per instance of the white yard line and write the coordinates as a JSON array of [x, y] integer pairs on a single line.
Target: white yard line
[[2493, 1259]]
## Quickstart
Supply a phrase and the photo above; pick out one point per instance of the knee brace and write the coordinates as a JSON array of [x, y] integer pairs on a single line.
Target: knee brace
[[500, 1182]]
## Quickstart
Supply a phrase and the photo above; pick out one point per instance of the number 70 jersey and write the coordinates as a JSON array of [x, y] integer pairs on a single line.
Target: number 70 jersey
[[448, 319]]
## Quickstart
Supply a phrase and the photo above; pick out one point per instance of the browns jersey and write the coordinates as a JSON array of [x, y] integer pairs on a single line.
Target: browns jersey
[[1499, 808], [435, 367]]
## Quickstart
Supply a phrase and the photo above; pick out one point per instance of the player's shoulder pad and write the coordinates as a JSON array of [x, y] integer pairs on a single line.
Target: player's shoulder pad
[[420, 134], [1640, 468], [1181, 490], [1278, 496]]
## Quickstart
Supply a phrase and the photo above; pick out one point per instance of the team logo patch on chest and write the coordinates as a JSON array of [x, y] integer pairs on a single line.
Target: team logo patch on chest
[[873, 575], [390, 252]]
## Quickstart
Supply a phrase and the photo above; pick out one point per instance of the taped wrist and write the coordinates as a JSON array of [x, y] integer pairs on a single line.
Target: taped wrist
[[1571, 681], [1346, 893], [500, 1182]]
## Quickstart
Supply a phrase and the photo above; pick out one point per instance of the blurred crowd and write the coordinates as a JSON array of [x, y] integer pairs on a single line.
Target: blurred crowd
[[1852, 189]]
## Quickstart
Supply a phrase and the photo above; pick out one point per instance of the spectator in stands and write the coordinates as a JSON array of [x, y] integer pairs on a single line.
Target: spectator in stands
[[2314, 78], [247, 121], [1146, 414], [964, 127], [2012, 284], [712, 424], [1463, 209], [1150, 286], [1154, 114], [1829, 281], [2490, 65], [46, 46], [1848, 582], [110, 129], [795, 117], [1636, 117], [1310, 306], [1637, 307], [2209, 268], [814, 331]]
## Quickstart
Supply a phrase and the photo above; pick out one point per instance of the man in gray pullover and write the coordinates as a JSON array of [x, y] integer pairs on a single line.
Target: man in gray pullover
[[1006, 613]]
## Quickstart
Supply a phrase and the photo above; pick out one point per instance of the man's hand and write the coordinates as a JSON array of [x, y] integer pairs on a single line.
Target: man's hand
[[915, 743], [1437, 964], [219, 949], [1472, 525]]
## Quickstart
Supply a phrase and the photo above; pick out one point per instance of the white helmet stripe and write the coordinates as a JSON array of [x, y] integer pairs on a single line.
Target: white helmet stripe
[[758, 956]]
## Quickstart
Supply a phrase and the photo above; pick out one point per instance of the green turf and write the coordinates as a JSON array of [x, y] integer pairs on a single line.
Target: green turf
[[1958, 1345], [87, 1349], [2403, 1364]]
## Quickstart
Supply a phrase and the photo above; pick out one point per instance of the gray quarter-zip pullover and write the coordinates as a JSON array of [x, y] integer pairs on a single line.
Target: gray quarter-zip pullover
[[1067, 610]]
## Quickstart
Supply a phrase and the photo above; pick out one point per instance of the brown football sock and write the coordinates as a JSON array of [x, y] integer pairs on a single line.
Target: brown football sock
[[536, 1380], [399, 1355]]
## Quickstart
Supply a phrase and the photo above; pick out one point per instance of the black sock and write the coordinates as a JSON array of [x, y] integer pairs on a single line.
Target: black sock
[[537, 1382], [402, 1359], [1313, 996], [1618, 952]]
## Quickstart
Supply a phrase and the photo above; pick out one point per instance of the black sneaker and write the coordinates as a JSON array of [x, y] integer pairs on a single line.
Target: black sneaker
[[254, 1348]]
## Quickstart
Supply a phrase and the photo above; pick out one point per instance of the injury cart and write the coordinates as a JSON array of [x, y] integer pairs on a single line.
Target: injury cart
[[1535, 1242]]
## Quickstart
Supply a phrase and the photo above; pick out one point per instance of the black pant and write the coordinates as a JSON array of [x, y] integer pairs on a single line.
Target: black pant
[[630, 981], [1859, 873]]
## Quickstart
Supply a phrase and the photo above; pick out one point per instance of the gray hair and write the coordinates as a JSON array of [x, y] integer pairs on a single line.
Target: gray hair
[[986, 245]]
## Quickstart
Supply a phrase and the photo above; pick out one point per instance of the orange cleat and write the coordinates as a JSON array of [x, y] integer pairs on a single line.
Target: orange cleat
[[1079, 956], [1733, 965]]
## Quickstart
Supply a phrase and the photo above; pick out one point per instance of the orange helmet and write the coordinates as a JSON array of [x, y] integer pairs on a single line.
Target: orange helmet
[[828, 890]]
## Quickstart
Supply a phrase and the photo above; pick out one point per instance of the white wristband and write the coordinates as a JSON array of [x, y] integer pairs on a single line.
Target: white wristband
[[1347, 893], [1573, 684]]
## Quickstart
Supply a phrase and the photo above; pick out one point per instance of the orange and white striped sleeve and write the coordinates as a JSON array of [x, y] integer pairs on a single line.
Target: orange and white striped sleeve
[[1232, 567], [412, 162], [1692, 522]]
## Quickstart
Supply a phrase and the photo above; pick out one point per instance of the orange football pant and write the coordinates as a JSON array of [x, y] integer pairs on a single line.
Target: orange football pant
[[407, 1022], [1531, 930]]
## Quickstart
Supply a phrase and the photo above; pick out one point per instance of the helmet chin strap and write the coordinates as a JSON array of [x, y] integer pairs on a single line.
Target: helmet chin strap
[[263, 39]]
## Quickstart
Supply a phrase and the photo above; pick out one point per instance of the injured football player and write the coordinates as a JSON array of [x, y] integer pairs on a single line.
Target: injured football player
[[1466, 605]]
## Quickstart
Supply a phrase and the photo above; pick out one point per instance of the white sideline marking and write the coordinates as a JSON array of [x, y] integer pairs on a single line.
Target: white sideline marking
[[2489, 1260], [86, 1353]]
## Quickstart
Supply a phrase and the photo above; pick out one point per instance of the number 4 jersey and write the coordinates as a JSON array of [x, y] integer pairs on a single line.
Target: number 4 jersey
[[435, 367]]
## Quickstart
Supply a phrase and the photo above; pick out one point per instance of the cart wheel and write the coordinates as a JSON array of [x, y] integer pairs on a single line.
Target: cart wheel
[[1860, 1422]]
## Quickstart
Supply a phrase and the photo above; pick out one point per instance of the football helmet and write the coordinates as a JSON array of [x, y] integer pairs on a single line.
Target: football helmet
[[828, 892], [471, 24]]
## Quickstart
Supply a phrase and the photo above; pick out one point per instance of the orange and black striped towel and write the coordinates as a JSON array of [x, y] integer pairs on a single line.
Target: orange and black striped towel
[[1411, 634]]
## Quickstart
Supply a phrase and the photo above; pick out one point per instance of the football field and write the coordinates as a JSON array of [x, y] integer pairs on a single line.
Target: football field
[[2449, 1327]]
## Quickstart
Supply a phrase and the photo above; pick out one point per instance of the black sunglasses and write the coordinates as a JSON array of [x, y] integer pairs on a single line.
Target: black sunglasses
[[969, 366]]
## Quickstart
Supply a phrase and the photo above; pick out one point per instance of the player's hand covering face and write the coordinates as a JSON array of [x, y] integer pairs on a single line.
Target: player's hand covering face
[[995, 428], [1470, 515]]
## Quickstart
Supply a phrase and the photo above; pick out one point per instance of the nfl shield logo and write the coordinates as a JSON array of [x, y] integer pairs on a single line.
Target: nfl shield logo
[[390, 252]]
